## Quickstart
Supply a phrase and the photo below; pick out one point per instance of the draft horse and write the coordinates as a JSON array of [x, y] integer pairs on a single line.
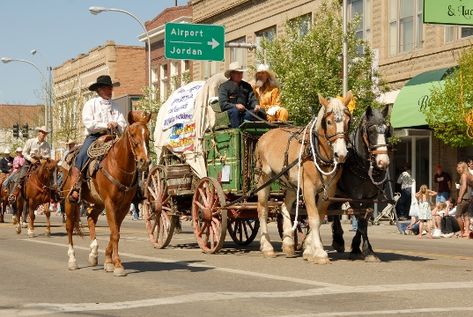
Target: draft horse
[[319, 172], [364, 175], [38, 188], [112, 187]]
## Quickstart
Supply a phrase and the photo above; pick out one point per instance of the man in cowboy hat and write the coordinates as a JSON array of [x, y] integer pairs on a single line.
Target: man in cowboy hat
[[5, 162], [99, 115], [236, 96], [268, 94]]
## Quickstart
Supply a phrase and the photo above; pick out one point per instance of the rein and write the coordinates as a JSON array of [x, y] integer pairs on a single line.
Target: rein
[[372, 151], [132, 143]]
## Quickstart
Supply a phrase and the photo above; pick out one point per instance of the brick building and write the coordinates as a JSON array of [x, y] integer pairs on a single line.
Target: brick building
[[30, 115], [411, 57], [125, 64], [167, 75]]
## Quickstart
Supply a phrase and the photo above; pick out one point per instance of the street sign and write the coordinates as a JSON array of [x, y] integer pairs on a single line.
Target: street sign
[[203, 42], [457, 12]]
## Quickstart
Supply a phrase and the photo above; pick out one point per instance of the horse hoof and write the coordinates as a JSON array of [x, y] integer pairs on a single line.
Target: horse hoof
[[93, 260], [338, 247], [72, 266], [119, 272], [14, 221], [355, 256], [269, 254], [289, 250], [319, 260], [18, 229], [372, 258], [24, 225], [108, 267]]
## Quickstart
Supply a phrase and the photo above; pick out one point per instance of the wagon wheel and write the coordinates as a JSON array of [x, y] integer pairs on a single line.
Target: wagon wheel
[[243, 231], [158, 210], [300, 234], [208, 219]]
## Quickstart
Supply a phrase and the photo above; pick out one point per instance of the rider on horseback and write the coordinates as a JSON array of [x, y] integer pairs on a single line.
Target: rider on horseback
[[35, 149], [99, 115]]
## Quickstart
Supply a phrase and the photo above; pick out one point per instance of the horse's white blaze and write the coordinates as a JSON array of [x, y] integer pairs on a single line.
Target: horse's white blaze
[[340, 146], [382, 160]]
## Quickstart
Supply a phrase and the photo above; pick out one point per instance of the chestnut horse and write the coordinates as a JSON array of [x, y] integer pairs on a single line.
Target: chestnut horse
[[38, 189], [112, 187], [319, 172]]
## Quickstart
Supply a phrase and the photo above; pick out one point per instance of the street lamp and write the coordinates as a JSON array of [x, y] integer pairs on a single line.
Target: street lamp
[[97, 10], [7, 60]]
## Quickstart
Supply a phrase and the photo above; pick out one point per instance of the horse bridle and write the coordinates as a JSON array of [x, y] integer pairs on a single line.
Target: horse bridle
[[374, 149], [133, 142], [338, 135]]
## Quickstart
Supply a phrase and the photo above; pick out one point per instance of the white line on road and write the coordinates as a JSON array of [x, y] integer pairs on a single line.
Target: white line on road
[[385, 312], [326, 289]]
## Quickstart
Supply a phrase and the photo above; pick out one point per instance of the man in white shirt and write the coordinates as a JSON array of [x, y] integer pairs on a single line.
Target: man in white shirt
[[35, 149], [404, 203], [99, 116]]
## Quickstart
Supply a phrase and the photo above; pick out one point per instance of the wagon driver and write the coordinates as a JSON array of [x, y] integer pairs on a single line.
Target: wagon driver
[[99, 115], [236, 96]]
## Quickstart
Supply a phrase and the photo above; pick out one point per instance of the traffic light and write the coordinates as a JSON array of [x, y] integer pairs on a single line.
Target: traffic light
[[16, 130], [24, 130]]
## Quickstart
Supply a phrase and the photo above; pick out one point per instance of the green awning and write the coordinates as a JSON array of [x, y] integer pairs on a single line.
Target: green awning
[[406, 109]]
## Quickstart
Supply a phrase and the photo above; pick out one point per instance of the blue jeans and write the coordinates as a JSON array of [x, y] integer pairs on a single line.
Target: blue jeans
[[82, 157], [442, 197], [237, 117]]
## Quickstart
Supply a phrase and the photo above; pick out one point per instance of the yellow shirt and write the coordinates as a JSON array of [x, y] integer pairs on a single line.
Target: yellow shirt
[[268, 97]]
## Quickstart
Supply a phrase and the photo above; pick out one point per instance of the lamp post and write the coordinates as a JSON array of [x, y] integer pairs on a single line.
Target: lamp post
[[345, 47], [7, 60], [97, 10]]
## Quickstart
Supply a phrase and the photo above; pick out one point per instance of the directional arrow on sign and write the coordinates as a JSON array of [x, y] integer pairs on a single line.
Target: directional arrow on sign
[[213, 43]]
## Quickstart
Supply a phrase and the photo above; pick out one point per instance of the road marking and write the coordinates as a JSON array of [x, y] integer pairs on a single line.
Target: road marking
[[385, 312], [53, 308]]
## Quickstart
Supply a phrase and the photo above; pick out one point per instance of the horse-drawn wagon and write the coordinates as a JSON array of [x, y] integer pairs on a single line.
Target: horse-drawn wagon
[[216, 171]]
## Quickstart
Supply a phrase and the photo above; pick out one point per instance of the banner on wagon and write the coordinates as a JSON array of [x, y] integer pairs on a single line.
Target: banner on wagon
[[181, 105]]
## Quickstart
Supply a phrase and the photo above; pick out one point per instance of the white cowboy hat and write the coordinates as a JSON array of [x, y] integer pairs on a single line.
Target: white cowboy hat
[[19, 149], [265, 68], [42, 129], [6, 151], [234, 67]]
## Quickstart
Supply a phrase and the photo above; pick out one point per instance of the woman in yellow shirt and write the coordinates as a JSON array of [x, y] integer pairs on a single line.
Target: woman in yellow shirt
[[268, 94]]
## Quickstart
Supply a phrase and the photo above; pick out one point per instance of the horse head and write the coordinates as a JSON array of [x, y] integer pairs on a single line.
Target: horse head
[[138, 136], [47, 168], [375, 131], [333, 122]]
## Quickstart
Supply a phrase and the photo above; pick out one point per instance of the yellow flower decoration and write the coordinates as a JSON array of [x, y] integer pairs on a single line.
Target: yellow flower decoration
[[351, 105]]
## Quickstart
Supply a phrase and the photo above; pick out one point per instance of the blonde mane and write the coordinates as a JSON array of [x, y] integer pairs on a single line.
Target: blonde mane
[[335, 105]]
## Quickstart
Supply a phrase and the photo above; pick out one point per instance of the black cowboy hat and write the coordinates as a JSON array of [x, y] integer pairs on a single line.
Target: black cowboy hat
[[103, 80]]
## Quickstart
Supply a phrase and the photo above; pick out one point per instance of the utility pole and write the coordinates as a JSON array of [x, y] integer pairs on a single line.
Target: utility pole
[[345, 48]]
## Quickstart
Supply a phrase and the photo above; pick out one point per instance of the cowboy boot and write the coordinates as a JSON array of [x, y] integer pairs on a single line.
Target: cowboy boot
[[76, 180]]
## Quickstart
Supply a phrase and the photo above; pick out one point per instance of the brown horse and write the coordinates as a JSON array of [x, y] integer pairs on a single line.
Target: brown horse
[[112, 187], [318, 172], [36, 191]]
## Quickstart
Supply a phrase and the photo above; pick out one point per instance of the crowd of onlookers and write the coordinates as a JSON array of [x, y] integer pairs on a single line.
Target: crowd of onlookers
[[443, 216]]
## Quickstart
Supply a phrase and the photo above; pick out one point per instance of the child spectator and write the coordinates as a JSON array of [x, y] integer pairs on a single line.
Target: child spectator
[[425, 214]]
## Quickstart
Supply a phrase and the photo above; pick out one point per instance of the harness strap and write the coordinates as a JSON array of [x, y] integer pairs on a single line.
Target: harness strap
[[115, 182]]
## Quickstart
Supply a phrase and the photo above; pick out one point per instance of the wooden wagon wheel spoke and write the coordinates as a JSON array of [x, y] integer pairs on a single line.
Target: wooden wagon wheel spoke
[[243, 231], [199, 205], [203, 197]]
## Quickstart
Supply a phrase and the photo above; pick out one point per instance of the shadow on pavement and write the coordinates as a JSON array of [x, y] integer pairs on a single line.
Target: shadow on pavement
[[135, 267]]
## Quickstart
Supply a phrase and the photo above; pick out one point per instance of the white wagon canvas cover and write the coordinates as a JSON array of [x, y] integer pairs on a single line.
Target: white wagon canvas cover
[[183, 119]]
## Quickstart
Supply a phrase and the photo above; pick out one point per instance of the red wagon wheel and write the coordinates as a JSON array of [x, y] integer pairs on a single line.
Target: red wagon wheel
[[159, 220], [208, 219], [243, 231]]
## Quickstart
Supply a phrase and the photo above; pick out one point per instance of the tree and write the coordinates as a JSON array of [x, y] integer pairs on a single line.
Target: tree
[[311, 63], [449, 108]]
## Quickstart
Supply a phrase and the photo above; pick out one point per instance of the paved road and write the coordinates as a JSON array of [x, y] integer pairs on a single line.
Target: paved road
[[415, 278]]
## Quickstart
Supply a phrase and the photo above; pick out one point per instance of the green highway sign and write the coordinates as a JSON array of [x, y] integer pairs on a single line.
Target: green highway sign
[[203, 42], [457, 12]]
